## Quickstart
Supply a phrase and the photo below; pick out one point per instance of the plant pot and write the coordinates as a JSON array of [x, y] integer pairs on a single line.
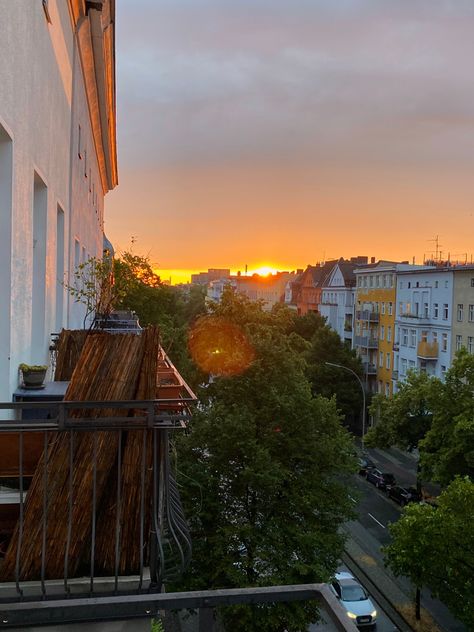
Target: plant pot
[[33, 379]]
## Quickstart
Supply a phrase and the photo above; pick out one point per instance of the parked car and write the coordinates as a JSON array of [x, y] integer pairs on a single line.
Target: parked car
[[355, 600], [403, 495], [380, 479], [365, 464]]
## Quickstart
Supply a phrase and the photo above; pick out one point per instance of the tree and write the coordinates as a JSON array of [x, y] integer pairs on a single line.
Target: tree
[[405, 418], [263, 474], [448, 448], [329, 381], [433, 547]]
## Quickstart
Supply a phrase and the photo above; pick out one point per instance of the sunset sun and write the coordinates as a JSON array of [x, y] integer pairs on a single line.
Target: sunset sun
[[264, 271]]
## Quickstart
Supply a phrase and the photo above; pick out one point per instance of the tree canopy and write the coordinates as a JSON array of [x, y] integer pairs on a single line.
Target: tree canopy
[[435, 416], [434, 547], [264, 473]]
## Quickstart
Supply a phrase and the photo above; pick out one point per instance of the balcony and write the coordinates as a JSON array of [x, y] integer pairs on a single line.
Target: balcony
[[395, 374], [427, 350], [369, 369], [368, 342], [368, 316]]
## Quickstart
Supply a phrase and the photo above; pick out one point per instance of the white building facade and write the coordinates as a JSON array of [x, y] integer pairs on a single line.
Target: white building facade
[[337, 301], [57, 162], [424, 316]]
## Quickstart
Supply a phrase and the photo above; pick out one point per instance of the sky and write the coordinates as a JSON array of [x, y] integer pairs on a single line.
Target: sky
[[286, 132]]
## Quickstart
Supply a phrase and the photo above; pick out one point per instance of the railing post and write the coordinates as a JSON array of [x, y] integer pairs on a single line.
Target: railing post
[[206, 620]]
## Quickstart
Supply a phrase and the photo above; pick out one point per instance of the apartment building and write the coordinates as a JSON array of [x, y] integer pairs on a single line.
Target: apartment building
[[310, 287], [462, 333], [268, 289], [424, 320], [338, 296], [374, 319], [57, 162]]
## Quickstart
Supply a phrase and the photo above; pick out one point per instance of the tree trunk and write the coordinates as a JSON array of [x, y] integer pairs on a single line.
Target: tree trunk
[[417, 603]]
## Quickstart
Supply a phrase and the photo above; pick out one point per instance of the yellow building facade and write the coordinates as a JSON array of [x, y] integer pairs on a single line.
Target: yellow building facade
[[374, 330]]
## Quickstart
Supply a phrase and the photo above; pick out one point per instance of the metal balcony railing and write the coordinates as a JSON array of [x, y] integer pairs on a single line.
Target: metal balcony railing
[[368, 342], [367, 315], [162, 547]]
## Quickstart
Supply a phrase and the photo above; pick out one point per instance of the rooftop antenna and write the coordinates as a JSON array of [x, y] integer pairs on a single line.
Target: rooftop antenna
[[438, 246]]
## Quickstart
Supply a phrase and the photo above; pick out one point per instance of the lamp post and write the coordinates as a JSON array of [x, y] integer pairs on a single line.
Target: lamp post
[[346, 368]]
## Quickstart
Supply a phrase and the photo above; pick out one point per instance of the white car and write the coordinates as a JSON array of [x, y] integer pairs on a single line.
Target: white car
[[355, 600]]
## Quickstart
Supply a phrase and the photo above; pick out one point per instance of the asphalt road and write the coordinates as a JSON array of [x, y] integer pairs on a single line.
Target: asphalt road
[[384, 624], [376, 512]]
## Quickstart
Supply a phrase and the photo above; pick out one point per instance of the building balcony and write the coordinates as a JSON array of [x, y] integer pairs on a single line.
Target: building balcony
[[427, 350], [396, 346], [368, 342], [369, 369], [366, 315], [395, 374], [413, 317]]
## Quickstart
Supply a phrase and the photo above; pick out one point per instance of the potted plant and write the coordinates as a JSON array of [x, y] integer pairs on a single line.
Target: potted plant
[[33, 374]]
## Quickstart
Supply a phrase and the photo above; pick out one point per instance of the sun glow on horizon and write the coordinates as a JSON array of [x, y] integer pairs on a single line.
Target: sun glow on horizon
[[263, 271]]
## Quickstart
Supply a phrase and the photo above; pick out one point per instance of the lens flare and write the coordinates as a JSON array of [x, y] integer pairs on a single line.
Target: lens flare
[[220, 347]]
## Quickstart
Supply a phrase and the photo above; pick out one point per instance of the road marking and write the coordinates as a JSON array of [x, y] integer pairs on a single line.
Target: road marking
[[353, 499], [374, 518]]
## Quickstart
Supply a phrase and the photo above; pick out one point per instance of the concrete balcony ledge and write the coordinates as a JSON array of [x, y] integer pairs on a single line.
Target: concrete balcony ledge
[[427, 350], [365, 341]]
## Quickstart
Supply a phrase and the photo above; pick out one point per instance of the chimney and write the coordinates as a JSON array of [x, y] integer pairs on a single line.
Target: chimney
[[372, 259]]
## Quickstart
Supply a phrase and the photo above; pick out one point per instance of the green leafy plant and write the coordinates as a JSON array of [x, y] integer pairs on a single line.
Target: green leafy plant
[[32, 368]]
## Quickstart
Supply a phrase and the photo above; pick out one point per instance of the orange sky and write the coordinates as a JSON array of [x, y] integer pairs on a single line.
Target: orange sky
[[315, 131]]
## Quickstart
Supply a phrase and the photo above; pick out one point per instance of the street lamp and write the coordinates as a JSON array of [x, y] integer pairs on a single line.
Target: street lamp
[[346, 368]]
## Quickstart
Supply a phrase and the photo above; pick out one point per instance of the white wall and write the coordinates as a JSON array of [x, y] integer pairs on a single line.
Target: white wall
[[42, 99]]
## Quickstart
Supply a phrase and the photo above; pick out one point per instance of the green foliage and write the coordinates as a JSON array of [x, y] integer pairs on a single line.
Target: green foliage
[[157, 626], [448, 448], [264, 475], [32, 368], [328, 381], [434, 547], [435, 416], [404, 419]]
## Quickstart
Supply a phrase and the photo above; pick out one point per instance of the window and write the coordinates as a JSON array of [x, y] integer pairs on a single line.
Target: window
[[401, 285], [403, 369], [426, 312], [400, 308], [435, 337], [371, 281], [460, 312], [411, 365], [359, 281], [377, 281], [390, 308], [424, 336], [404, 337], [417, 284], [381, 358], [472, 282], [445, 311], [443, 369], [387, 361], [417, 309], [382, 332], [436, 283], [444, 342], [412, 337], [446, 283], [470, 344], [387, 389], [409, 284], [471, 313], [383, 308], [389, 333], [365, 281], [458, 342], [435, 310]]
